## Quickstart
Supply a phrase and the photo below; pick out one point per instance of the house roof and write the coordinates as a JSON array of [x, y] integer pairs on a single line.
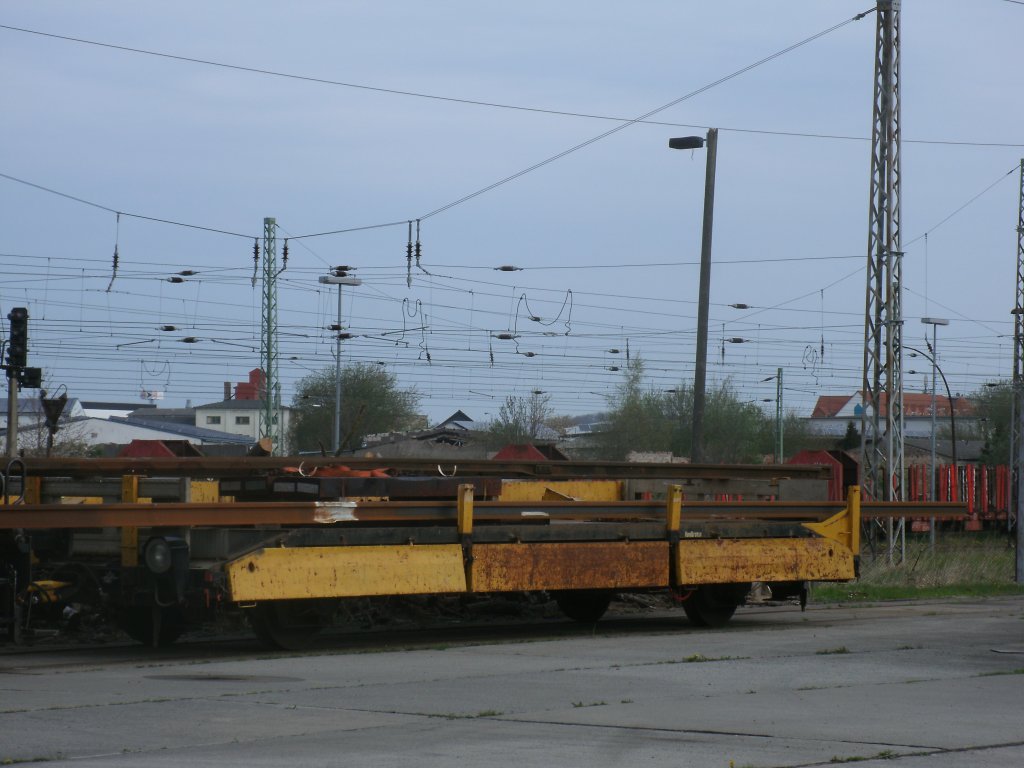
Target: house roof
[[966, 450], [99, 405], [185, 430], [458, 419], [28, 405], [236, 405], [829, 405], [915, 404], [180, 415]]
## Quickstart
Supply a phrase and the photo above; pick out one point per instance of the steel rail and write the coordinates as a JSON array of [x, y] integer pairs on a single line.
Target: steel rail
[[42, 516], [223, 466]]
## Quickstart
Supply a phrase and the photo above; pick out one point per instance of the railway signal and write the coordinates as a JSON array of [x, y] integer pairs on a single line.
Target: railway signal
[[17, 347]]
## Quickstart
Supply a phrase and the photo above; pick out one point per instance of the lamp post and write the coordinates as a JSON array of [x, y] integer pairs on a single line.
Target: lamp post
[[952, 414], [934, 322], [339, 278], [704, 290], [779, 417], [949, 396]]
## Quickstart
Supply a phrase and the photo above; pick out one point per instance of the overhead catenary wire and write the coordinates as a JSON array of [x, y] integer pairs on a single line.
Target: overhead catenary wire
[[439, 347], [994, 184], [478, 102], [634, 121], [108, 209]]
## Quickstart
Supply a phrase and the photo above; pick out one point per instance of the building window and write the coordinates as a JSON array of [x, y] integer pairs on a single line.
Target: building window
[[213, 419], [241, 419]]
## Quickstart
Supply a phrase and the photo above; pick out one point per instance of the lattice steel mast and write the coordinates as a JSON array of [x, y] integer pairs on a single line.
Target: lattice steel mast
[[1013, 515], [882, 446], [270, 389]]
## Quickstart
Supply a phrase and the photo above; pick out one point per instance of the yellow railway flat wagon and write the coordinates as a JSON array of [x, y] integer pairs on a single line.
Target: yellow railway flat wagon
[[163, 565], [582, 552]]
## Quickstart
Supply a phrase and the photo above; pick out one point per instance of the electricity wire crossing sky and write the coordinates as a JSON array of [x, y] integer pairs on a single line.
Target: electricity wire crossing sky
[[528, 148]]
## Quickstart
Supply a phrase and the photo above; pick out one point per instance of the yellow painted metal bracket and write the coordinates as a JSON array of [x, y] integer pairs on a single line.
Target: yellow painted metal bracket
[[465, 510], [129, 535], [464, 522], [33, 490], [844, 527], [673, 519]]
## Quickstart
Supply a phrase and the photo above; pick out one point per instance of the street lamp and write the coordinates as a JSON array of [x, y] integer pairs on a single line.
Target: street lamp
[[934, 322], [778, 414], [703, 297], [949, 396], [339, 278]]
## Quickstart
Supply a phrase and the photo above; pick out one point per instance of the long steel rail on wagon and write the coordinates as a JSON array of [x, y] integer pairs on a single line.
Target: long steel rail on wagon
[[223, 466], [291, 513]]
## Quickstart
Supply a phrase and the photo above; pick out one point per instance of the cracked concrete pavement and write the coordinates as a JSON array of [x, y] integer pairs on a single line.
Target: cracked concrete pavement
[[937, 684]]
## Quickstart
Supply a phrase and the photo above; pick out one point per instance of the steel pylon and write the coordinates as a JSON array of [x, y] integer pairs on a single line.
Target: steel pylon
[[1013, 516], [270, 390], [882, 440]]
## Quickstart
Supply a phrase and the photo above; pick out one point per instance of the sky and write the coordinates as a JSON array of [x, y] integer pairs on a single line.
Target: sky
[[364, 116]]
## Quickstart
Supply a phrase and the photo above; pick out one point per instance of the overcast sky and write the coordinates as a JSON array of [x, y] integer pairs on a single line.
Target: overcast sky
[[607, 237]]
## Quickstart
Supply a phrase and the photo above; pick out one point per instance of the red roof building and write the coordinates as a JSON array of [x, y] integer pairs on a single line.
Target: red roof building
[[832, 413]]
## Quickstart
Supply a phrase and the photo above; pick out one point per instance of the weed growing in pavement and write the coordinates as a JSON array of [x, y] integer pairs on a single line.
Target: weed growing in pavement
[[1006, 672], [700, 658], [832, 651], [885, 754]]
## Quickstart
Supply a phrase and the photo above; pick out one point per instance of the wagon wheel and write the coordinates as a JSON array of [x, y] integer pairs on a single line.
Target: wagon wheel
[[712, 605], [290, 625], [152, 625], [586, 606]]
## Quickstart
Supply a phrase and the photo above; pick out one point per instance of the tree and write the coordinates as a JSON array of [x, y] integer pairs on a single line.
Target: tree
[[641, 418], [69, 440], [993, 405], [371, 402], [646, 419], [797, 436], [851, 440], [519, 420], [735, 431]]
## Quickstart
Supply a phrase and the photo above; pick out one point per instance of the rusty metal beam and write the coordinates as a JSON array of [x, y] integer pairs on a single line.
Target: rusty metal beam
[[220, 466], [39, 516]]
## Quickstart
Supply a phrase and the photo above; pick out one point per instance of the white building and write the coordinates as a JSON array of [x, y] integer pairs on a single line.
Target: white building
[[240, 417]]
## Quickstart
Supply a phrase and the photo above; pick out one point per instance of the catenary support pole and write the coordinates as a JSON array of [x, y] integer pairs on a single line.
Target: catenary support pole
[[703, 302]]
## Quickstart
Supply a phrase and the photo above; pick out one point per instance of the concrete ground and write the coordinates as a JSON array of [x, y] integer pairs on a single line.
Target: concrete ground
[[937, 684]]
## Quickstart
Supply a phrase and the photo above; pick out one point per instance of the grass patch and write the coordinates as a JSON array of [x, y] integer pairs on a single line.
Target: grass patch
[[961, 565], [1007, 672]]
